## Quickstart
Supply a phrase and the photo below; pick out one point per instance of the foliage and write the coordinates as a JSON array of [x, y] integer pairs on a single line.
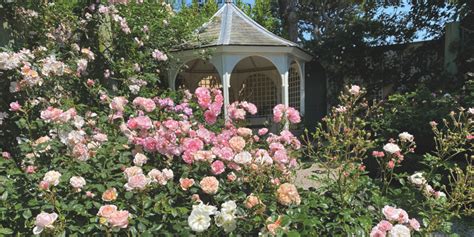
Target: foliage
[[340, 148]]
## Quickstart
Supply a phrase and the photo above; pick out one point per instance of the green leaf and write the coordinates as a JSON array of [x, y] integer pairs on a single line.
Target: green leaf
[[27, 214], [6, 231], [293, 234]]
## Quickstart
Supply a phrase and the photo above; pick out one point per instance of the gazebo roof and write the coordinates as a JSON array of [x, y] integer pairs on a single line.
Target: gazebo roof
[[231, 26]]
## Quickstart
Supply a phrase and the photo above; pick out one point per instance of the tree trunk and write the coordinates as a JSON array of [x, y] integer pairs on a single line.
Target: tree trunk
[[289, 18]]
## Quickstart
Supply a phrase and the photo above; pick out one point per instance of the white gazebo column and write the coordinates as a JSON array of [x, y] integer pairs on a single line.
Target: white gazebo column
[[172, 74], [302, 86], [284, 89]]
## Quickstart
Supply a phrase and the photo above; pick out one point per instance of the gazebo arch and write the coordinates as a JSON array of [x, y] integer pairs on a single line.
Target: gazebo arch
[[256, 79], [195, 73], [234, 39]]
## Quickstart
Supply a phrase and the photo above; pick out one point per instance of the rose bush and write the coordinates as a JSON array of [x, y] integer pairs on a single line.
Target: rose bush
[[94, 146]]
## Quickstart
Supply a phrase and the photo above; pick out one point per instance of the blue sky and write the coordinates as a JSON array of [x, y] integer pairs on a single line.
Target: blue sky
[[390, 10]]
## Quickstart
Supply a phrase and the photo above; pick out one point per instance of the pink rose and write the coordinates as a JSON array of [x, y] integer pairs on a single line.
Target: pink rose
[[43, 185], [90, 194], [390, 213], [6, 155], [414, 224], [209, 185], [30, 169], [262, 131], [107, 210], [402, 216], [44, 220], [231, 177], [354, 90], [280, 156], [119, 219], [159, 56], [217, 167], [293, 115], [377, 233], [186, 183], [287, 194], [210, 117], [15, 106], [138, 182], [384, 226], [391, 164], [146, 104], [278, 112], [204, 97], [237, 143], [378, 154], [118, 103]]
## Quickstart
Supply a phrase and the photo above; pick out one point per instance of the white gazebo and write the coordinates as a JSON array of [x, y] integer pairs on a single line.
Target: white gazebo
[[247, 61]]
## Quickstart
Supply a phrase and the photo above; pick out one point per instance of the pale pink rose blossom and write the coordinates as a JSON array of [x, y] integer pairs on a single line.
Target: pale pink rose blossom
[[293, 115], [137, 182], [414, 224], [106, 210], [354, 90], [44, 220], [237, 143], [159, 56], [384, 226], [217, 167], [90, 194], [132, 171], [262, 131], [209, 185], [15, 106], [119, 219], [377, 233], [287, 194], [77, 182], [186, 183], [231, 177], [30, 169], [6, 155]]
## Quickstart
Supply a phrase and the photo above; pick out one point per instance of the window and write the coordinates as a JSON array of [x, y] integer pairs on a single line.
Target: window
[[210, 82], [260, 90], [294, 87]]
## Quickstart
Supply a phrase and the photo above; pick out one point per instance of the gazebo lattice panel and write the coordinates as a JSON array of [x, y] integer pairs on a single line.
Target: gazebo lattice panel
[[260, 90], [294, 87]]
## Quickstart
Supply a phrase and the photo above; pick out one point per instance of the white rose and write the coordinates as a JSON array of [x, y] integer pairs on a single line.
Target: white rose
[[140, 159], [52, 177], [199, 221], [417, 179], [399, 231], [471, 110], [355, 90], [391, 148], [226, 220], [406, 137], [228, 207], [167, 173], [77, 182], [243, 158], [208, 209]]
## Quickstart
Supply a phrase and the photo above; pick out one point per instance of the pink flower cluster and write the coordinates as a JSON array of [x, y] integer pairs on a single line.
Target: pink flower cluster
[[112, 217], [211, 101], [281, 112], [239, 110], [136, 180], [228, 150], [145, 104], [52, 114], [397, 223]]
